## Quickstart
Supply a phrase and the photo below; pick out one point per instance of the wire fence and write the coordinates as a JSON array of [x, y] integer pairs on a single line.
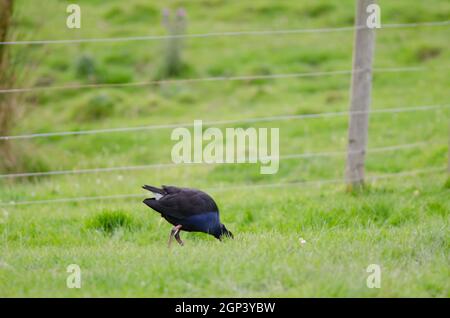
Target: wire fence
[[227, 188], [207, 79], [217, 122], [226, 34], [171, 164], [223, 122]]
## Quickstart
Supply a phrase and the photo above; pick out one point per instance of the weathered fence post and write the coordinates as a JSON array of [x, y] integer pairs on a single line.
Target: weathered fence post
[[176, 26], [361, 87]]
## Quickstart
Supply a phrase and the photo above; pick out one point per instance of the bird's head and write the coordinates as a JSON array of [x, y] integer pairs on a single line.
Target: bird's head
[[223, 232]]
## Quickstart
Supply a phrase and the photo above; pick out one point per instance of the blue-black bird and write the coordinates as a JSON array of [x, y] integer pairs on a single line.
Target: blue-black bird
[[189, 210]]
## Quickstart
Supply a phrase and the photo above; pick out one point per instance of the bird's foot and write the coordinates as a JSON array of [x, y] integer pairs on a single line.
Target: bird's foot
[[179, 240], [174, 232]]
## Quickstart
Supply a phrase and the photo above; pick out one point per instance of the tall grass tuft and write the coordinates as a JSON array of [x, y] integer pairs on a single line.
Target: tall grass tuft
[[86, 68], [173, 64], [8, 105], [109, 221], [447, 183], [14, 157]]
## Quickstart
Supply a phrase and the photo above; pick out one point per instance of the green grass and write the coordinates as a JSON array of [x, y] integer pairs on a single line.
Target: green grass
[[110, 222], [120, 245], [404, 231]]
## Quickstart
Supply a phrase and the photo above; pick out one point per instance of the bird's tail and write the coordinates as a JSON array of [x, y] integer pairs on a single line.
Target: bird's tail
[[153, 189]]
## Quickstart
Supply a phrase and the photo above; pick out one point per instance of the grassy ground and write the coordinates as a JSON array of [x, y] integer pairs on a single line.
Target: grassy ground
[[400, 224]]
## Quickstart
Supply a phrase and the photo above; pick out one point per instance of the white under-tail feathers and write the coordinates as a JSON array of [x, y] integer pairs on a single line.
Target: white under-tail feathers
[[157, 193]]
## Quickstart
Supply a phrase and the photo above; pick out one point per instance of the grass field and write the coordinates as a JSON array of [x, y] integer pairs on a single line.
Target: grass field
[[399, 223]]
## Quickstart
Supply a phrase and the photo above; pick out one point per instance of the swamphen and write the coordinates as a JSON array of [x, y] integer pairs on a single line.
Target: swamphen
[[188, 210]]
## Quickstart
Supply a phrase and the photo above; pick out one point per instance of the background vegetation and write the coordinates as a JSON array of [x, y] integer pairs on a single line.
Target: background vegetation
[[400, 224]]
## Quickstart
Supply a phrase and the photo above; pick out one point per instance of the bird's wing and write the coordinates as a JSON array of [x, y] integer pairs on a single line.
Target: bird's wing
[[183, 203]]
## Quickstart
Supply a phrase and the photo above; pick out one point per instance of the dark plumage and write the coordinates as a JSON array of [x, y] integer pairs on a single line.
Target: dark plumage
[[188, 210]]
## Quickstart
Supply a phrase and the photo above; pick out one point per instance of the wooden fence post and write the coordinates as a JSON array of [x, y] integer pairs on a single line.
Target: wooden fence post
[[447, 180], [361, 87]]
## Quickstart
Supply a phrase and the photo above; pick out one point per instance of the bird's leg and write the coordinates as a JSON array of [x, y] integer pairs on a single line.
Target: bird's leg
[[173, 233], [178, 238]]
